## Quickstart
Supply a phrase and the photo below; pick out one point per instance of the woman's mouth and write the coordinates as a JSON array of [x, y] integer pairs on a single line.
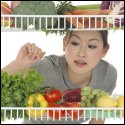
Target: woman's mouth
[[80, 63]]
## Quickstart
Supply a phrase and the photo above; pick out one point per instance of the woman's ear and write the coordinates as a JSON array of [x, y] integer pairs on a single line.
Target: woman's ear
[[105, 50]]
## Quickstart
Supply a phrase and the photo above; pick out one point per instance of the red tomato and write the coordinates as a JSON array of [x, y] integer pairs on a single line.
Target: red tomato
[[55, 113], [64, 104], [53, 95], [75, 113]]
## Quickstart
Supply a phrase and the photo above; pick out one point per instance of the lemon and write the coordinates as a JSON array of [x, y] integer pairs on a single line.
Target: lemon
[[121, 103], [106, 102]]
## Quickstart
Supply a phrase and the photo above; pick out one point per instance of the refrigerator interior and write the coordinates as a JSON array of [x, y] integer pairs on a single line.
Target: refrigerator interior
[[11, 41]]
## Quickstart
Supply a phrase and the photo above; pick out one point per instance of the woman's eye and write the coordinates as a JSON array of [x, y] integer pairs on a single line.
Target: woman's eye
[[75, 43], [92, 46]]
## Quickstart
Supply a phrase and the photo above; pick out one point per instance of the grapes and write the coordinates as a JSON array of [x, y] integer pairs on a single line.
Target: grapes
[[86, 91], [90, 97]]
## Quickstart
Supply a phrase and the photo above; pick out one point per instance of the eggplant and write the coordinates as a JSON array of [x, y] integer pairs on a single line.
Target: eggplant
[[72, 95]]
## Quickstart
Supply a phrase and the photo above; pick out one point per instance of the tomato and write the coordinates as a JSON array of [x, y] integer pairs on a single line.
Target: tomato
[[64, 104], [55, 113], [75, 113], [53, 95]]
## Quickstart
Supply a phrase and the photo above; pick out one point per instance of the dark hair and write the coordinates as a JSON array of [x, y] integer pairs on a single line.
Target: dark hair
[[104, 34]]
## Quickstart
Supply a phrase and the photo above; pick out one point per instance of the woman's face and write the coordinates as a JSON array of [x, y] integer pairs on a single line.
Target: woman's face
[[83, 51]]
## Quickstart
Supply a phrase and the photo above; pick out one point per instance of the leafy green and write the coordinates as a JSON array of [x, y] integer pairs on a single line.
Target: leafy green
[[35, 8], [60, 32], [15, 90], [63, 6]]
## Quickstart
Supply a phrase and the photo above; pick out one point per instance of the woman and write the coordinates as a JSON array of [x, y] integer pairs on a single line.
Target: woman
[[81, 65]]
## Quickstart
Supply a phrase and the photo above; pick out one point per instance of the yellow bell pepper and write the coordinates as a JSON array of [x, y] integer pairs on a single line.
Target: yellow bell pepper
[[36, 100]]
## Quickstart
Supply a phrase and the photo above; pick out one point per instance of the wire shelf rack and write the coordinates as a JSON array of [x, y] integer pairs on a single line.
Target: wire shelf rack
[[60, 22], [57, 23], [55, 113]]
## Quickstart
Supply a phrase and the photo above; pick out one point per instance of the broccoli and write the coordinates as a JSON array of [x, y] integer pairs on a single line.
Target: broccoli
[[35, 8]]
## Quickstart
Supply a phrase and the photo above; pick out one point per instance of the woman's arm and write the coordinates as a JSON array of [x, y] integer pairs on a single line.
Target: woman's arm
[[13, 68], [26, 57], [94, 121]]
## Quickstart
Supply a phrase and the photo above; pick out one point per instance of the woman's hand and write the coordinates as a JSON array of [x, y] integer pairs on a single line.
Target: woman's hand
[[28, 55]]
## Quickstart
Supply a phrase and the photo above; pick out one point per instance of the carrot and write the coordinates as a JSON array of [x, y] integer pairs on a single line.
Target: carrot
[[85, 12], [74, 20], [91, 12], [86, 19], [105, 12], [98, 23]]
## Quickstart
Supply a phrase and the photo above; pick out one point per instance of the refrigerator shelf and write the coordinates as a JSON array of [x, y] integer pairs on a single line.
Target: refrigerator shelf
[[60, 22], [52, 114]]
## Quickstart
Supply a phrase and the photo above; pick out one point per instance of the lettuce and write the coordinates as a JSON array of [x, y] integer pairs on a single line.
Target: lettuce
[[15, 90]]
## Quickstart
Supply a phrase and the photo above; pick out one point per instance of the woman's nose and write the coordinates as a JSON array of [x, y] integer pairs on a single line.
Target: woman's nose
[[82, 52]]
